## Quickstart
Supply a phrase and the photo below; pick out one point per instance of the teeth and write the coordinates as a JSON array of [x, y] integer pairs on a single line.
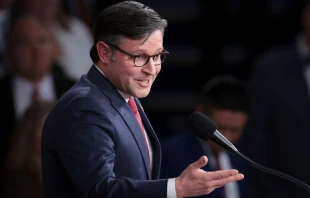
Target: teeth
[[144, 81]]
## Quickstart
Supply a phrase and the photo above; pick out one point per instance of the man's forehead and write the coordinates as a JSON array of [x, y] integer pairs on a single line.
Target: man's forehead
[[155, 40], [27, 25]]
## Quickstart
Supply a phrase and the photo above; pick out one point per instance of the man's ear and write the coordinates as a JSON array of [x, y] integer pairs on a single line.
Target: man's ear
[[104, 51]]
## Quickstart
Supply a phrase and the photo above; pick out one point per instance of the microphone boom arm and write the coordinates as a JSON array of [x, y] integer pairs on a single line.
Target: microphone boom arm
[[274, 172]]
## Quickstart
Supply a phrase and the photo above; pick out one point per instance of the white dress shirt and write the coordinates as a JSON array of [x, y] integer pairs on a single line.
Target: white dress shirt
[[23, 89]]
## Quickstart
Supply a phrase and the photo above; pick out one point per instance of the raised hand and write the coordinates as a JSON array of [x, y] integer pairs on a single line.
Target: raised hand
[[196, 182]]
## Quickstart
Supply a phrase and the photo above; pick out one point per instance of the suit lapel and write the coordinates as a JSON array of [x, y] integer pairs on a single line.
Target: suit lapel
[[120, 105], [155, 142], [132, 123]]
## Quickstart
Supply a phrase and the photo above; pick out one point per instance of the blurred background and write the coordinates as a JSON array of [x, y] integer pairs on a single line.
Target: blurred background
[[205, 39], [210, 38]]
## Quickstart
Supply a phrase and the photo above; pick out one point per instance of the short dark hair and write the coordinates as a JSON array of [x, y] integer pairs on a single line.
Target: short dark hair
[[127, 19], [225, 92]]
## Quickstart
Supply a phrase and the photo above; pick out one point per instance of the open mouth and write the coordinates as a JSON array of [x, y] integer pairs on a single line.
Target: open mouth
[[143, 82]]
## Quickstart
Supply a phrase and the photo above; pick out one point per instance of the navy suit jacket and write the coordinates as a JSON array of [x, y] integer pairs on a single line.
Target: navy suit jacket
[[92, 145], [181, 150]]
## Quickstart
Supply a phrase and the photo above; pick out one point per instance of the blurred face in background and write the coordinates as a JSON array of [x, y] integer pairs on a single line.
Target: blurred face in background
[[30, 50], [45, 10], [230, 124]]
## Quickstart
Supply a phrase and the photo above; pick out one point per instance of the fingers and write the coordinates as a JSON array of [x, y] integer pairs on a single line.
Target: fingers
[[195, 182], [201, 162], [198, 182], [223, 177], [222, 173]]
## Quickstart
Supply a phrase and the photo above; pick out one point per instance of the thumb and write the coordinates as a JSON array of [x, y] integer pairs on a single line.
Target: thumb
[[201, 162]]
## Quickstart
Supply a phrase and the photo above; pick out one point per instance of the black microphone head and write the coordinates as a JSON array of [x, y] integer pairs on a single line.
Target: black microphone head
[[201, 125]]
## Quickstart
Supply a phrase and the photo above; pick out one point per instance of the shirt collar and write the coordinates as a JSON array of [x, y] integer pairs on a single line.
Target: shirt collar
[[125, 96], [42, 85]]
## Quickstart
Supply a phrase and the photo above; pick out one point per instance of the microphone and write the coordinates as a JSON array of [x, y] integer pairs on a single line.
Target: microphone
[[205, 128]]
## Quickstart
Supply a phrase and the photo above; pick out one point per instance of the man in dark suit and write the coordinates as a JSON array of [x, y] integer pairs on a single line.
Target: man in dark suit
[[277, 133], [225, 100], [94, 144], [31, 70]]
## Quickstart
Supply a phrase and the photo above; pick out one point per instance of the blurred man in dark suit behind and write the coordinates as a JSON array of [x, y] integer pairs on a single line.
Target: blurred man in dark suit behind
[[226, 101], [278, 130], [31, 77]]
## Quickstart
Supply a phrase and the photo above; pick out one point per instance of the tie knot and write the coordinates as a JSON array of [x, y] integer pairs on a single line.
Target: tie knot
[[132, 104]]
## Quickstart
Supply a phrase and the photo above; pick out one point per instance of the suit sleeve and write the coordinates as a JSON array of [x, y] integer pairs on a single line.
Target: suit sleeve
[[86, 150]]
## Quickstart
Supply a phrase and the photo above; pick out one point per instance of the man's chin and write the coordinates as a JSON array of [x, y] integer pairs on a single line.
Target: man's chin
[[142, 94]]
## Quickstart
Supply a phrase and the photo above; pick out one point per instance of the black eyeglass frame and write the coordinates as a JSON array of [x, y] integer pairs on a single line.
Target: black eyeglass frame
[[164, 52]]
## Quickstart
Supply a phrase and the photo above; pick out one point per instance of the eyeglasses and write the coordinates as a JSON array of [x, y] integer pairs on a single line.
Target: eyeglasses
[[142, 59]]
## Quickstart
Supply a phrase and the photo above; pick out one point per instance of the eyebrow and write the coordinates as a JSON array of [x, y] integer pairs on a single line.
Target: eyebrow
[[160, 50]]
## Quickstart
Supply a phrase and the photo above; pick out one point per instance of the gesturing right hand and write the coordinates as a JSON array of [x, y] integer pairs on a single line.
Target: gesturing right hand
[[196, 182]]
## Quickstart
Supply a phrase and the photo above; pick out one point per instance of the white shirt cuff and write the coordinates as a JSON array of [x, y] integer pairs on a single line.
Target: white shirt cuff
[[171, 192]]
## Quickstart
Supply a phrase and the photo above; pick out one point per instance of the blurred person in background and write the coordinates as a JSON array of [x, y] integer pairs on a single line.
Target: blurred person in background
[[225, 100], [279, 127], [32, 75], [23, 173], [72, 36]]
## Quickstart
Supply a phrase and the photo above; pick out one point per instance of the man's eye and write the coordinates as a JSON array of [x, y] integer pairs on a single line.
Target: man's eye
[[157, 56]]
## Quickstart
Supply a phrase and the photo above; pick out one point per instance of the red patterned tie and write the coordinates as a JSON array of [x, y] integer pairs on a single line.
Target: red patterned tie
[[133, 106]]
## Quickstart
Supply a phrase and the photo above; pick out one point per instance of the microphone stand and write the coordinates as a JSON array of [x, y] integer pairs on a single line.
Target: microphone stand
[[199, 119], [274, 172], [218, 138]]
